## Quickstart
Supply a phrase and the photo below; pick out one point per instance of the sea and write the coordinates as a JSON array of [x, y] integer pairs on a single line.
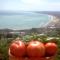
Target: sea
[[23, 20]]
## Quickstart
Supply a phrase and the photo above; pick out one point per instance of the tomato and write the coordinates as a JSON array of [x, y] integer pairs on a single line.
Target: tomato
[[35, 48], [51, 49], [15, 58], [26, 58], [17, 48], [36, 58]]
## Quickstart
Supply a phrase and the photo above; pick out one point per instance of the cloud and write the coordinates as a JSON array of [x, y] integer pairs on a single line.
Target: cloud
[[29, 5], [52, 6], [33, 1], [40, 5], [33, 4]]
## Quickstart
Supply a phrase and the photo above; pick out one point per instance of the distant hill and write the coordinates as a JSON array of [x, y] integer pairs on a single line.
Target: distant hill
[[54, 23], [27, 31], [54, 13]]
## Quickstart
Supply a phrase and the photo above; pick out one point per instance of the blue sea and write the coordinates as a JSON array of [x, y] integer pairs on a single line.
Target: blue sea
[[24, 20]]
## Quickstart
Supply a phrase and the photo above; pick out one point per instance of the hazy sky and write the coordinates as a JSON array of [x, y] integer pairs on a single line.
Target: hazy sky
[[29, 5]]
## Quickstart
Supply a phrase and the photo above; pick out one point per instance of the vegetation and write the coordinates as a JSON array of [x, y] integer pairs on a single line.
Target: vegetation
[[5, 41]]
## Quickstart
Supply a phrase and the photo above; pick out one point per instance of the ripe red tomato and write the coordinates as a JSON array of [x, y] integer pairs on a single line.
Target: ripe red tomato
[[35, 49], [51, 49], [26, 58], [15, 58], [17, 48], [36, 58]]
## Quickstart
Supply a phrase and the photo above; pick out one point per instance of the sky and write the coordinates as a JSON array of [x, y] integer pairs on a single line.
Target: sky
[[29, 5]]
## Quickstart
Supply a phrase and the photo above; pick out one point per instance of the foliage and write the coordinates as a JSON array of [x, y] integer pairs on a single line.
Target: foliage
[[4, 43]]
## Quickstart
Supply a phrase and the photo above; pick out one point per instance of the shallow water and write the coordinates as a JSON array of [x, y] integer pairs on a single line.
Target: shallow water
[[23, 20]]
